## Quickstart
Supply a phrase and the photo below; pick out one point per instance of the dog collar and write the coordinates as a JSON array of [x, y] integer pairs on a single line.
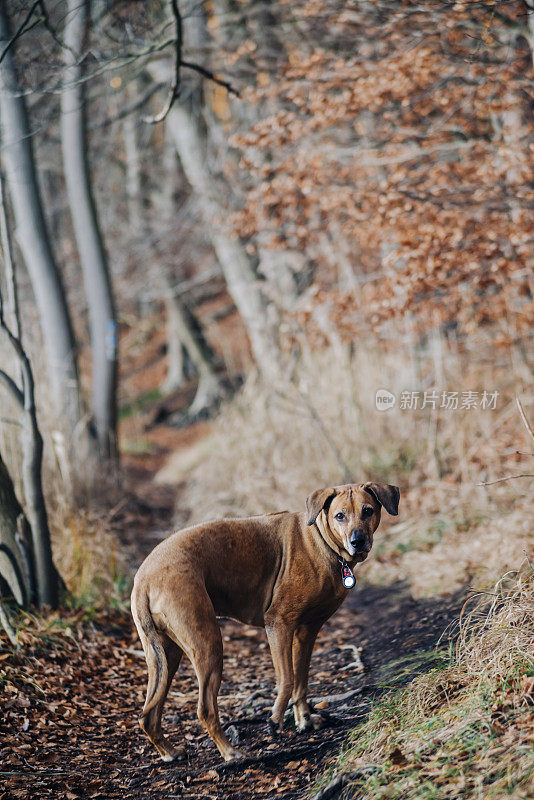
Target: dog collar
[[347, 575]]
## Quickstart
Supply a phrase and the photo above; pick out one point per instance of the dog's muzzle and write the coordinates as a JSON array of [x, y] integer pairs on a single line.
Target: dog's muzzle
[[359, 542]]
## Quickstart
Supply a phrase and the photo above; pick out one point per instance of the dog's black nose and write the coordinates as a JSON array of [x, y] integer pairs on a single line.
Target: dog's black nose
[[357, 539]]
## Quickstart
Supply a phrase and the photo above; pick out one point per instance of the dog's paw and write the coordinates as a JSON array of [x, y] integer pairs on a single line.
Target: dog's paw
[[304, 725], [317, 722], [233, 755], [173, 753], [273, 728]]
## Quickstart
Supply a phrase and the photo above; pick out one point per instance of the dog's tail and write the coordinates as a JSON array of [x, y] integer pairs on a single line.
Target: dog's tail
[[158, 671]]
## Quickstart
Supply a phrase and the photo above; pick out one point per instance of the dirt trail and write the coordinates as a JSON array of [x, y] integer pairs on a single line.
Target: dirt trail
[[70, 731]]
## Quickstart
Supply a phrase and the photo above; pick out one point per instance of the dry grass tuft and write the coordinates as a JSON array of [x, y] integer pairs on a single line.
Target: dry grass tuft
[[87, 555], [497, 635], [465, 730]]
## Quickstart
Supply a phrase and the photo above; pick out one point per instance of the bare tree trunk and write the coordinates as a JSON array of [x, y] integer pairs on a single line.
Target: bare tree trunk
[[185, 336], [280, 267], [93, 258], [530, 25], [15, 560], [242, 283], [187, 333], [41, 573], [133, 169], [175, 349], [46, 577], [176, 362], [33, 238]]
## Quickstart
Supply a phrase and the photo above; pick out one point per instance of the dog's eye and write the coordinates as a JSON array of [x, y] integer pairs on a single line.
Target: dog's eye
[[340, 515], [367, 511]]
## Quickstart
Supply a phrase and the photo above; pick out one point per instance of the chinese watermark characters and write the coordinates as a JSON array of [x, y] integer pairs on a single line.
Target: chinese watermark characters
[[434, 399]]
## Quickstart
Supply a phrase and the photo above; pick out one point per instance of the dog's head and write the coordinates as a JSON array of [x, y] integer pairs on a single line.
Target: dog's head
[[352, 514]]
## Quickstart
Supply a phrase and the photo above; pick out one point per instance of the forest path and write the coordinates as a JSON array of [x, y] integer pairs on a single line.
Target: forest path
[[70, 728]]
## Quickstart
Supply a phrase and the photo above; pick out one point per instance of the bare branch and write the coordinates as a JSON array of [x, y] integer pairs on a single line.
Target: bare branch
[[174, 88], [507, 478], [23, 28], [523, 417], [127, 109], [51, 30], [12, 387], [206, 73]]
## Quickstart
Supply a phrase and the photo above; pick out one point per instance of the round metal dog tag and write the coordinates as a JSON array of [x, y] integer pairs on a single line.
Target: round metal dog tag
[[347, 577]]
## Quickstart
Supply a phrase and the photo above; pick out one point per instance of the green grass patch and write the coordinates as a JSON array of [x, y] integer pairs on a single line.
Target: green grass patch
[[139, 404]]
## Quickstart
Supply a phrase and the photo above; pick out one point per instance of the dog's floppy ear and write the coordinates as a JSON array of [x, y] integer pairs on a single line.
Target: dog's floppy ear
[[318, 500], [386, 494]]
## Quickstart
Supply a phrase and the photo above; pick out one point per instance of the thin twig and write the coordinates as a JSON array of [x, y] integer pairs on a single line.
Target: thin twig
[[206, 73], [51, 30], [174, 88], [322, 427], [22, 28], [507, 478], [524, 418], [127, 109]]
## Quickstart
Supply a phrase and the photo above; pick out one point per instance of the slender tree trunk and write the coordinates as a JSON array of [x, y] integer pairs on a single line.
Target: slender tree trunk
[[33, 538], [241, 280], [15, 558], [187, 333], [175, 349], [133, 169], [93, 258], [46, 577], [186, 342], [33, 238], [530, 26], [280, 267]]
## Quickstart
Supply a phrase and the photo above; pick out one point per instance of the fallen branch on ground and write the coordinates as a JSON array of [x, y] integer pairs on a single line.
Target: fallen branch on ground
[[333, 699], [358, 663]]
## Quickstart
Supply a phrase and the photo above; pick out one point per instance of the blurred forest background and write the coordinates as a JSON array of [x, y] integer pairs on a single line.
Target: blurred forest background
[[227, 224]]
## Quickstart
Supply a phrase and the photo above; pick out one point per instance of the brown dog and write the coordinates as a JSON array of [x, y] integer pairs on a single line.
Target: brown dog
[[285, 572]]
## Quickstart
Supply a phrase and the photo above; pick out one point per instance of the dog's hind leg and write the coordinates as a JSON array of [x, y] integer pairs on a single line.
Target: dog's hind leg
[[193, 623], [150, 721], [162, 659], [207, 660]]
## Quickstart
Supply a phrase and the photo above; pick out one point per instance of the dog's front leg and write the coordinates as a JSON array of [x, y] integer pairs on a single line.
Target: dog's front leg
[[280, 636], [303, 642]]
